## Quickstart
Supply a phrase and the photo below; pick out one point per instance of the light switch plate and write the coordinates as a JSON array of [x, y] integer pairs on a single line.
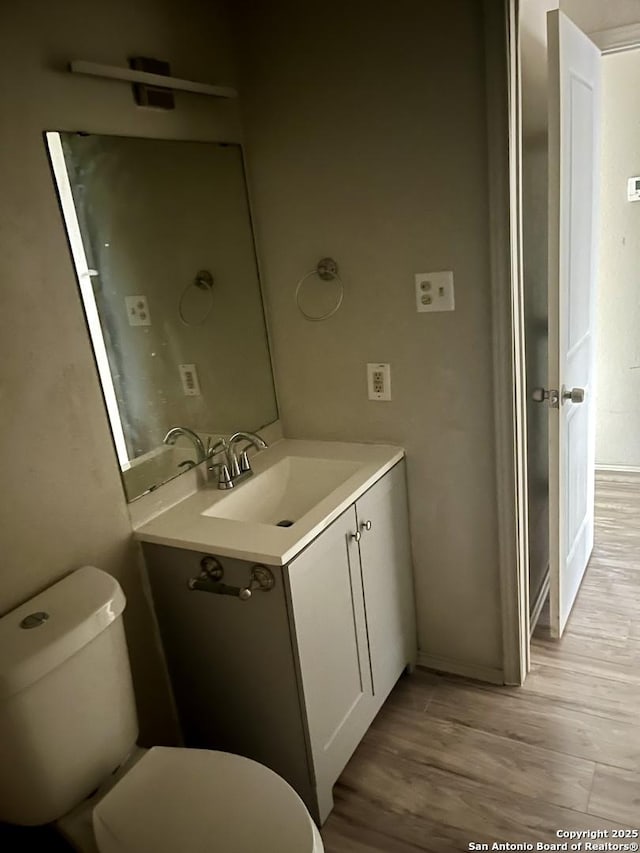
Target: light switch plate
[[434, 291]]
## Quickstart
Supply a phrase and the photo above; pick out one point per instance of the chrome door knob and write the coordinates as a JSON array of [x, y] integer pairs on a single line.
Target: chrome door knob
[[366, 525], [357, 536], [576, 395]]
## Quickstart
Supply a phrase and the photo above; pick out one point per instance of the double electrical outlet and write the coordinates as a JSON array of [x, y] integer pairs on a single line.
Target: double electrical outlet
[[434, 291], [379, 381], [137, 310]]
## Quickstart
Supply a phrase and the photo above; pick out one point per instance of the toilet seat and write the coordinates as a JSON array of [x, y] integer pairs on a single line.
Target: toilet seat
[[201, 801]]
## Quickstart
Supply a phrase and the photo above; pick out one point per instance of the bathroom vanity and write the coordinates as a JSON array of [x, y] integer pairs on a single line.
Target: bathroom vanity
[[292, 672]]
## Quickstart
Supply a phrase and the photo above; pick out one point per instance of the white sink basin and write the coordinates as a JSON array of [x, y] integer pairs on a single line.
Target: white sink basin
[[285, 492], [310, 483]]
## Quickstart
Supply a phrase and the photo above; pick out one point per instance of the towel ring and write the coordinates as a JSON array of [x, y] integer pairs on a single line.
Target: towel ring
[[327, 270], [203, 281]]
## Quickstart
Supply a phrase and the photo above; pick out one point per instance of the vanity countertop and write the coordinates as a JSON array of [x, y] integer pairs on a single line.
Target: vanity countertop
[[187, 526]]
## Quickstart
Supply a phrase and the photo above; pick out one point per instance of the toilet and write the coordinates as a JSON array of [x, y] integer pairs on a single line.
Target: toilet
[[68, 729]]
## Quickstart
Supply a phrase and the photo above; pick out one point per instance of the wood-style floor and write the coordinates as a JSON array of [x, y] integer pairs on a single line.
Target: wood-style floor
[[448, 762]]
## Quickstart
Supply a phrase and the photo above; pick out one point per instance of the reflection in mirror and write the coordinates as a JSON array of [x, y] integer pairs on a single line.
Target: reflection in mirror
[[161, 238]]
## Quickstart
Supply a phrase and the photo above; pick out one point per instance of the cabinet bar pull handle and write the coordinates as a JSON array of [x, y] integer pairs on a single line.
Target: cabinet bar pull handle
[[262, 579], [204, 585]]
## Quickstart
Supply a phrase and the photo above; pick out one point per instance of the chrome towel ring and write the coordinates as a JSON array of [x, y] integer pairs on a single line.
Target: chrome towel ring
[[203, 281], [326, 270]]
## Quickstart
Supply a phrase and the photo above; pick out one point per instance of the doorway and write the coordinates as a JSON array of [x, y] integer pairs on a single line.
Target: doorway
[[617, 307]]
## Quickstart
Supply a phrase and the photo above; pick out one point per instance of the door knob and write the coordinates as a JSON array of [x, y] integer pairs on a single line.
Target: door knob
[[366, 525], [576, 395], [357, 536]]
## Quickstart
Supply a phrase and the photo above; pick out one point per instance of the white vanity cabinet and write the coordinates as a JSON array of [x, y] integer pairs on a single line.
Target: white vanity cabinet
[[330, 638], [293, 677], [387, 578], [353, 617]]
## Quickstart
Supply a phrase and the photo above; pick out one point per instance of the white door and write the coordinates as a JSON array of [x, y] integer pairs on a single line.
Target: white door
[[574, 130]]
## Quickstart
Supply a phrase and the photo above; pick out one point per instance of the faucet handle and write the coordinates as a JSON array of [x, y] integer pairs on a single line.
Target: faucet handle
[[245, 465], [232, 462], [225, 480]]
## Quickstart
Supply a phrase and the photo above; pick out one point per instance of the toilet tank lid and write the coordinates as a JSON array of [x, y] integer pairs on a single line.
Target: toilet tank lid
[[64, 618]]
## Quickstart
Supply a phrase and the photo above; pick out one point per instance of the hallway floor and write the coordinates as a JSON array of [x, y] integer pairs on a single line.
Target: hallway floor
[[449, 762]]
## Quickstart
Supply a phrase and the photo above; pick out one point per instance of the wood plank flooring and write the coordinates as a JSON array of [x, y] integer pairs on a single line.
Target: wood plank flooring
[[448, 761]]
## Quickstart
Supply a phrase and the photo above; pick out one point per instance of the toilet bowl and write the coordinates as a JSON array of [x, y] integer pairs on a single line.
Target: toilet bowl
[[67, 722], [200, 800]]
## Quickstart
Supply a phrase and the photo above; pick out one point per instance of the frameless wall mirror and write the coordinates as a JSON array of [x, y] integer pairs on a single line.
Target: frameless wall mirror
[[162, 244]]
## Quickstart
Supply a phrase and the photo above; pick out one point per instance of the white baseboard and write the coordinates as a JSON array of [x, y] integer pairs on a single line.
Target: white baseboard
[[454, 667], [619, 469]]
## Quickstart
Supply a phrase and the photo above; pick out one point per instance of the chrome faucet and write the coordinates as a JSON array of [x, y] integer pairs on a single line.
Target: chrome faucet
[[242, 466], [174, 434], [234, 469]]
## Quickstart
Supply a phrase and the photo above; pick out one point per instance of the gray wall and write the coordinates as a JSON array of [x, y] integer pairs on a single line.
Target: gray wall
[[618, 307], [63, 504], [366, 139]]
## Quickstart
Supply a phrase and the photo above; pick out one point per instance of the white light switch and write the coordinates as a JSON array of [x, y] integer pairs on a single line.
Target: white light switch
[[137, 310], [379, 381], [434, 291]]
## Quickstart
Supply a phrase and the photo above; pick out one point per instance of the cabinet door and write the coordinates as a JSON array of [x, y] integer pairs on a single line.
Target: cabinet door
[[387, 579], [329, 632]]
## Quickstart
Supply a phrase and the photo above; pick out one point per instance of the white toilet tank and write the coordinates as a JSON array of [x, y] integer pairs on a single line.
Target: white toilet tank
[[67, 710]]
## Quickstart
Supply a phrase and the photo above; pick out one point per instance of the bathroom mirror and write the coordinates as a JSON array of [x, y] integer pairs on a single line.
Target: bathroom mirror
[[161, 238]]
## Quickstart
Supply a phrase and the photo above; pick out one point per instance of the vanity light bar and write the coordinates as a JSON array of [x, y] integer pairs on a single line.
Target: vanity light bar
[[129, 75]]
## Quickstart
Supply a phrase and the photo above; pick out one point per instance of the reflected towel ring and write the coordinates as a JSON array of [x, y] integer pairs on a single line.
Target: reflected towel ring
[[203, 281], [327, 270]]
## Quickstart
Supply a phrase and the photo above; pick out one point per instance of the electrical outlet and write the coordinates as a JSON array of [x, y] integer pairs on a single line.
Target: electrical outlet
[[379, 381], [189, 379], [434, 291], [137, 310]]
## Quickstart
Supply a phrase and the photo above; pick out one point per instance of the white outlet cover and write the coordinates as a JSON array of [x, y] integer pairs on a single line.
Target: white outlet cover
[[189, 379], [633, 189], [434, 291], [379, 381]]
